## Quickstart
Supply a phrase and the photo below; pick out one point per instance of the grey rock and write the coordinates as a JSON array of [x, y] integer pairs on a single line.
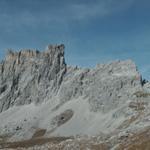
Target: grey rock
[[27, 76], [106, 86], [32, 76]]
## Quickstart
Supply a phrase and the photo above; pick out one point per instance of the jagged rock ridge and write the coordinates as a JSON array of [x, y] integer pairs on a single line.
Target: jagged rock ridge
[[27, 76], [38, 90], [32, 76]]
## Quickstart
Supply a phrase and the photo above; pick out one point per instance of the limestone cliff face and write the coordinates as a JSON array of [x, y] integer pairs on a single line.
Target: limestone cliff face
[[39, 91], [28, 76], [106, 86], [33, 76]]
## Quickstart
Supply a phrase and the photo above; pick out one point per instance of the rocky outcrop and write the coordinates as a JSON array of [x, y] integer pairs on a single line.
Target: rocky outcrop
[[42, 97], [28, 76], [33, 76], [105, 86]]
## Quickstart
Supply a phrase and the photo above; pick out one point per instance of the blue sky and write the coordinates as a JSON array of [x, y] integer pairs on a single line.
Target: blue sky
[[93, 31]]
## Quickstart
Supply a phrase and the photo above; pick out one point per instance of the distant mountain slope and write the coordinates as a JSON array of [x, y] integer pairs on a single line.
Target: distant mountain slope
[[41, 96], [32, 76]]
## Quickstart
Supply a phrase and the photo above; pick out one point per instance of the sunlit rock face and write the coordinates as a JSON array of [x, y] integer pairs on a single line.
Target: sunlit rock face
[[38, 90], [28, 76], [33, 76]]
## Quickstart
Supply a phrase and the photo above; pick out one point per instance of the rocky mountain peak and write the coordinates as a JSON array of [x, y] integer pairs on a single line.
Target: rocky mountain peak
[[56, 48], [52, 52], [26, 71], [40, 96], [35, 76]]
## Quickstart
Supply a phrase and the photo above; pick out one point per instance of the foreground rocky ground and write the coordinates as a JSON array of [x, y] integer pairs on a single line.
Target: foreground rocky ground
[[139, 140]]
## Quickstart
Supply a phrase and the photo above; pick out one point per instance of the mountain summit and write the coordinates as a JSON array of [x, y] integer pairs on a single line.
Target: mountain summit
[[26, 76], [38, 90]]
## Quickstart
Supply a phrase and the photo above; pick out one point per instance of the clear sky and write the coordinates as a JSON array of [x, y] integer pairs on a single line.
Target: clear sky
[[93, 31]]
